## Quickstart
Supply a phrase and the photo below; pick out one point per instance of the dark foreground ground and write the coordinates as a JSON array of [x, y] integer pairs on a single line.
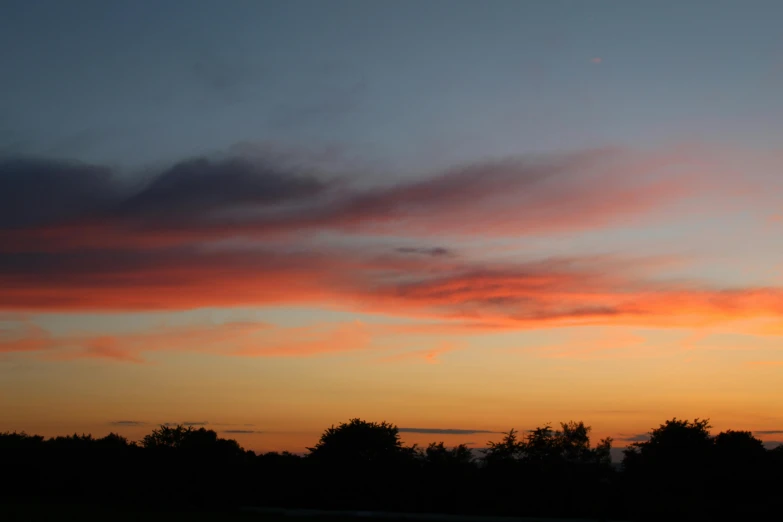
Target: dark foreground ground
[[31, 512]]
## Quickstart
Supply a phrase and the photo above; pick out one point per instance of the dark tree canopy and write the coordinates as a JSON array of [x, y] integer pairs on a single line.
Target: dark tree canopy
[[675, 444], [507, 449], [439, 455], [543, 445], [738, 445], [358, 441]]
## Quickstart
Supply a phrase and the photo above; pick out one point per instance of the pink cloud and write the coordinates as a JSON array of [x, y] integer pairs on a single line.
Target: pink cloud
[[523, 295], [230, 339], [27, 337], [428, 356]]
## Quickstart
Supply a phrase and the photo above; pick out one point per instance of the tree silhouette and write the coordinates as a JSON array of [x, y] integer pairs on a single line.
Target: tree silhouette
[[674, 444], [673, 466], [440, 456], [738, 447], [115, 440], [504, 452], [179, 437], [543, 445], [20, 441], [681, 473], [358, 442]]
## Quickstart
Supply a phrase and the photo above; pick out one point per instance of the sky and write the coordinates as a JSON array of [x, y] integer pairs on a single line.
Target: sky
[[267, 217]]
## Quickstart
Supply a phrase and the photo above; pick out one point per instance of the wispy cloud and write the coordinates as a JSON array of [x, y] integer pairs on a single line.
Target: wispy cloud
[[429, 356], [241, 431], [768, 432], [433, 251], [313, 340], [105, 347], [444, 431], [199, 200], [127, 423], [232, 339], [638, 437]]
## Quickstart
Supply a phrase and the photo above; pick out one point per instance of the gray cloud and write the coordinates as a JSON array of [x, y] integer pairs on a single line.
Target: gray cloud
[[241, 431], [187, 423], [127, 423], [444, 431], [768, 432], [434, 252], [638, 437], [202, 198], [40, 192], [206, 186]]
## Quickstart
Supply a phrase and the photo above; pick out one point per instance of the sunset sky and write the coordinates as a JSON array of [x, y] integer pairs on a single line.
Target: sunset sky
[[267, 217]]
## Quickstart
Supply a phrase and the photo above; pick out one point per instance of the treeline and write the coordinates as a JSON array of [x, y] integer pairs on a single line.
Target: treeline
[[682, 472]]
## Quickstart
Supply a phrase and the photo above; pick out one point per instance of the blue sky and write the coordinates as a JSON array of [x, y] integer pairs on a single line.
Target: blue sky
[[406, 84]]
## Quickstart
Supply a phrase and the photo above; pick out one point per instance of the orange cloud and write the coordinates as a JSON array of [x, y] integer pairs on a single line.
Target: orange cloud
[[25, 338], [429, 356], [232, 339], [108, 348], [546, 293], [313, 340]]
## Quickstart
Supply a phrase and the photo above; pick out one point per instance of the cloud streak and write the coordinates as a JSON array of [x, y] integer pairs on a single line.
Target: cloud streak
[[444, 431], [50, 205], [231, 339], [434, 251], [429, 356], [462, 294], [638, 437]]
